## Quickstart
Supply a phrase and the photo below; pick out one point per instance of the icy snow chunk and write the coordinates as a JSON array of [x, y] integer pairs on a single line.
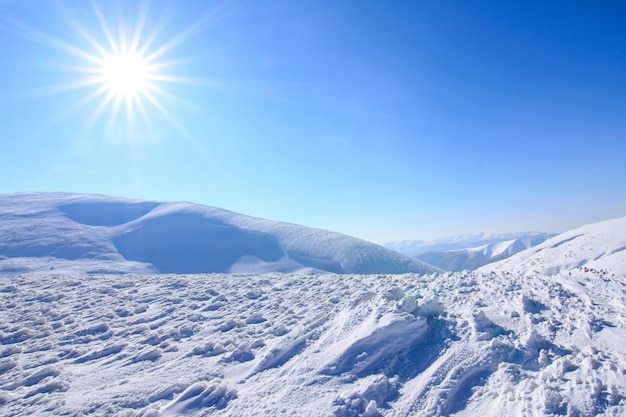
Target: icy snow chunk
[[279, 330], [208, 349], [431, 309], [372, 410], [255, 319], [148, 355], [40, 375], [393, 294], [106, 351], [253, 295], [532, 306], [280, 355], [485, 328], [408, 305], [202, 395], [243, 353], [48, 388], [167, 393], [7, 365], [379, 392]]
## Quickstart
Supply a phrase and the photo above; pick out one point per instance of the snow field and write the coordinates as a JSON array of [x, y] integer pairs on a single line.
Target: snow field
[[490, 344]]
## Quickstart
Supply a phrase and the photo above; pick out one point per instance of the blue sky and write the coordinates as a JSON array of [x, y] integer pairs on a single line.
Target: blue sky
[[382, 120]]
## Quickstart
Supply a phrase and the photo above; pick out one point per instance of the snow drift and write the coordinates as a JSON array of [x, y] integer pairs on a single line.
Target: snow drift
[[93, 233]]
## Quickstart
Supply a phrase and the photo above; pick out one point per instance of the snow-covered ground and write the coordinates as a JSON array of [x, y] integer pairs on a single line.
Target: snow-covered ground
[[489, 344]]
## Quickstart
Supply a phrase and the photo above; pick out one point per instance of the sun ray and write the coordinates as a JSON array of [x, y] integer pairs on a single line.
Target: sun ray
[[121, 60]]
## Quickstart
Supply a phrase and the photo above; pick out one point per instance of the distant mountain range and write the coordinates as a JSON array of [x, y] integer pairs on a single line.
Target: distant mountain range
[[468, 251], [458, 242], [101, 234], [472, 258]]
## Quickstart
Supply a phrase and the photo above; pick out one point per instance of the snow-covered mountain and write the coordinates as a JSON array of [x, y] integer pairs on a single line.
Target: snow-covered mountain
[[459, 242], [93, 233], [598, 247], [472, 258]]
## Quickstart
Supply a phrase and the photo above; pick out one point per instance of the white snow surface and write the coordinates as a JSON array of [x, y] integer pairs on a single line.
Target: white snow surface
[[598, 248], [95, 233], [462, 344]]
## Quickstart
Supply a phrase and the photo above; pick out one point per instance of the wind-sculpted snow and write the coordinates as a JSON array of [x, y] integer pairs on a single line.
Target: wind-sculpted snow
[[465, 344], [100, 234]]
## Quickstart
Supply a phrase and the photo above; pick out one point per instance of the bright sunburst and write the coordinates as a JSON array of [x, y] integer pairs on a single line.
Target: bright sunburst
[[126, 74], [123, 58]]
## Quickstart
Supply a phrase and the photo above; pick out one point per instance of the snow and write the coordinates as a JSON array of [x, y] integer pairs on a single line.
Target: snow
[[514, 339], [101, 234], [468, 343], [597, 248]]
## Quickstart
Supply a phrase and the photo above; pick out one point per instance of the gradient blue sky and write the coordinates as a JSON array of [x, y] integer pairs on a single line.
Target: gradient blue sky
[[384, 120]]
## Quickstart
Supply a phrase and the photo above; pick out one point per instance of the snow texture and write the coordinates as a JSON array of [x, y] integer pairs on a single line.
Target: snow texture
[[314, 345], [100, 234]]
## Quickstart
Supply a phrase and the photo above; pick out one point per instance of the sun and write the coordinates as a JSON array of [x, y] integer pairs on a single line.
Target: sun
[[126, 74], [126, 59]]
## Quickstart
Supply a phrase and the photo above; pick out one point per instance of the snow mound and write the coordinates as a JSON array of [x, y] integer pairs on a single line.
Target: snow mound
[[76, 233]]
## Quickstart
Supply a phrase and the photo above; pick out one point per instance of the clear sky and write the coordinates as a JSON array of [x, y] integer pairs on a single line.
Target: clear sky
[[384, 120]]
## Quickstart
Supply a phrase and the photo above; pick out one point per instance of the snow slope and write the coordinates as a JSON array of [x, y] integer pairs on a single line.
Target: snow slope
[[473, 258], [93, 233], [598, 247], [459, 242]]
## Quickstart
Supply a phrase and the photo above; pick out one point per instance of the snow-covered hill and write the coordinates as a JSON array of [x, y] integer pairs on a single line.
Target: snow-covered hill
[[93, 233], [472, 258], [459, 242], [598, 247]]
